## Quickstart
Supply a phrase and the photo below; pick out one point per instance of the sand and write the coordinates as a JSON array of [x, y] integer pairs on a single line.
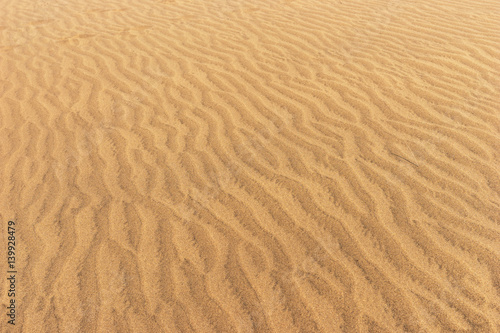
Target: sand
[[251, 166]]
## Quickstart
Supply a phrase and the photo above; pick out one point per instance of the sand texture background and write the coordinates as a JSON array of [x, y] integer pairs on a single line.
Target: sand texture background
[[251, 166]]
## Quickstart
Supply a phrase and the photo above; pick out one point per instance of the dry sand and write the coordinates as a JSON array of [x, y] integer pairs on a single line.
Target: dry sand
[[251, 166]]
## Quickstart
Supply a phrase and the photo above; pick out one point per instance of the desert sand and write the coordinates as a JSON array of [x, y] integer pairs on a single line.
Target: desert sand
[[251, 166]]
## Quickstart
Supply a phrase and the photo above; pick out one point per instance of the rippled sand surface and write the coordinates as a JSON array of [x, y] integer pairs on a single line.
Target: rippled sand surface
[[251, 166]]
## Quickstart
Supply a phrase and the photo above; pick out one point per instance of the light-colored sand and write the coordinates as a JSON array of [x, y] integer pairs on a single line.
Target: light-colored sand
[[251, 166]]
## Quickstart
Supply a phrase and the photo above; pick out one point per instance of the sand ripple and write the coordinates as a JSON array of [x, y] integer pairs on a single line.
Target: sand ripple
[[252, 166]]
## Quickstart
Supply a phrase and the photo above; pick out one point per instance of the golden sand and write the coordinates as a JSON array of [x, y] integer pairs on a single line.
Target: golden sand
[[251, 166]]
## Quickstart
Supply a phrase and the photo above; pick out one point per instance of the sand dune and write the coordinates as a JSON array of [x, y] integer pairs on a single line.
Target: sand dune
[[251, 166]]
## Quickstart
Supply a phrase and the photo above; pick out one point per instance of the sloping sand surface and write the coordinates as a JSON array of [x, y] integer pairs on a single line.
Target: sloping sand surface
[[251, 166]]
